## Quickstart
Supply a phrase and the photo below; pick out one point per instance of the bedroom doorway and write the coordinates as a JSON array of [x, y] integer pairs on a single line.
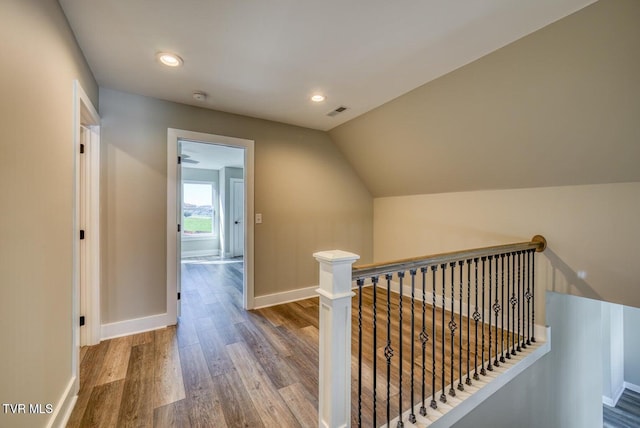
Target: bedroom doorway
[[199, 205]]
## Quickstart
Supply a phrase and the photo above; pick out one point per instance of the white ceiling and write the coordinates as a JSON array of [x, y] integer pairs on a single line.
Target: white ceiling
[[211, 156], [265, 58]]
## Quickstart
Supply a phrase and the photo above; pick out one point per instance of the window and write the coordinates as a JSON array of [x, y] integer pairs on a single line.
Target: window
[[198, 211]]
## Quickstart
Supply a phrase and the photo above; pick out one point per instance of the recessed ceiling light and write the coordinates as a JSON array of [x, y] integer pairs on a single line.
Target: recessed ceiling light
[[318, 98], [169, 59]]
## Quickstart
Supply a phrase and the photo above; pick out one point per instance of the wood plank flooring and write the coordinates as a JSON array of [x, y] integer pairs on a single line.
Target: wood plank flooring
[[626, 414], [223, 366]]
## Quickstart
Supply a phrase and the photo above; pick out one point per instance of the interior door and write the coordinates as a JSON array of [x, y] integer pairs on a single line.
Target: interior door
[[180, 217], [82, 254], [237, 217]]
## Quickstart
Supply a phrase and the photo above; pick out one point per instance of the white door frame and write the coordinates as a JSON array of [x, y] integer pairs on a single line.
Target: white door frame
[[86, 257], [233, 248], [173, 236]]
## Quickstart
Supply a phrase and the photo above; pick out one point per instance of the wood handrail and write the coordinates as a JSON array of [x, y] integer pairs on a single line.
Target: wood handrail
[[538, 242]]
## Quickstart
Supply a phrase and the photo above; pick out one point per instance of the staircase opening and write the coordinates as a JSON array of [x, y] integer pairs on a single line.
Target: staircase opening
[[430, 332]]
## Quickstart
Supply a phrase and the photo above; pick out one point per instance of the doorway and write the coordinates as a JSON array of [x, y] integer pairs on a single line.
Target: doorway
[[86, 231], [237, 217], [199, 217]]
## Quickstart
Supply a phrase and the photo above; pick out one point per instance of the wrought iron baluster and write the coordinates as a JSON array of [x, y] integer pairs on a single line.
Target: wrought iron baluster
[[522, 306], [496, 310], [528, 296], [443, 266], [502, 360], [476, 317], [401, 289], [508, 305], [374, 281], [468, 381], [525, 300], [460, 385], [533, 297], [519, 260], [360, 282], [483, 372], [423, 338], [513, 302], [452, 327], [434, 404], [412, 272], [388, 350], [489, 366]]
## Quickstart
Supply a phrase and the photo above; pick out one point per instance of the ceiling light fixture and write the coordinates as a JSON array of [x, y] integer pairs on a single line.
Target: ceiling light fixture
[[318, 98], [169, 59], [199, 95]]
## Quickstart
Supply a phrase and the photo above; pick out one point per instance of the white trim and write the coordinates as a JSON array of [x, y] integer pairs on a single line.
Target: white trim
[[85, 114], [540, 332], [63, 408], [90, 246], [173, 261], [137, 325], [632, 386], [334, 338], [613, 401], [200, 237], [200, 253], [284, 297]]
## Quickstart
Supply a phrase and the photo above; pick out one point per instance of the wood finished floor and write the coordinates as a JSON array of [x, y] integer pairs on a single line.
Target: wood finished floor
[[223, 366], [626, 414]]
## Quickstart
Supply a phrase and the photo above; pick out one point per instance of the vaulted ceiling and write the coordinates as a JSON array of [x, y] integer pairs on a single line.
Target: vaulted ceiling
[[265, 59], [442, 96], [558, 107]]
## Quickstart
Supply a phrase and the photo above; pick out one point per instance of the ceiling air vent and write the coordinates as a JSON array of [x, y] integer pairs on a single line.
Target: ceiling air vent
[[337, 111]]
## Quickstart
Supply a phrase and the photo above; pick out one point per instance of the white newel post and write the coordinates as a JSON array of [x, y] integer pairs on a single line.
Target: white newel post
[[334, 410]]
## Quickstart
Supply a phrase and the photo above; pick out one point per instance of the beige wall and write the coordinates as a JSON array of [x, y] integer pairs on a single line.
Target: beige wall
[[563, 389], [309, 197], [558, 107], [41, 61], [591, 228], [631, 345]]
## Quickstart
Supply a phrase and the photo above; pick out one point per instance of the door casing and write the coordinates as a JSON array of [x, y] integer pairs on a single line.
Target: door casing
[[173, 211], [86, 216]]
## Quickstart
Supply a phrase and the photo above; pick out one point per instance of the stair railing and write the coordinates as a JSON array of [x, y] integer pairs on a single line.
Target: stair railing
[[407, 313]]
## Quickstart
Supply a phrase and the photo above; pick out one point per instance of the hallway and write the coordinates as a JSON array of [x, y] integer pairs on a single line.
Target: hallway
[[224, 366], [221, 366]]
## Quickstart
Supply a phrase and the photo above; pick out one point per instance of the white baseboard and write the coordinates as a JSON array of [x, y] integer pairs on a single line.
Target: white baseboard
[[284, 297], [137, 325], [631, 386], [612, 401], [63, 408], [200, 253]]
